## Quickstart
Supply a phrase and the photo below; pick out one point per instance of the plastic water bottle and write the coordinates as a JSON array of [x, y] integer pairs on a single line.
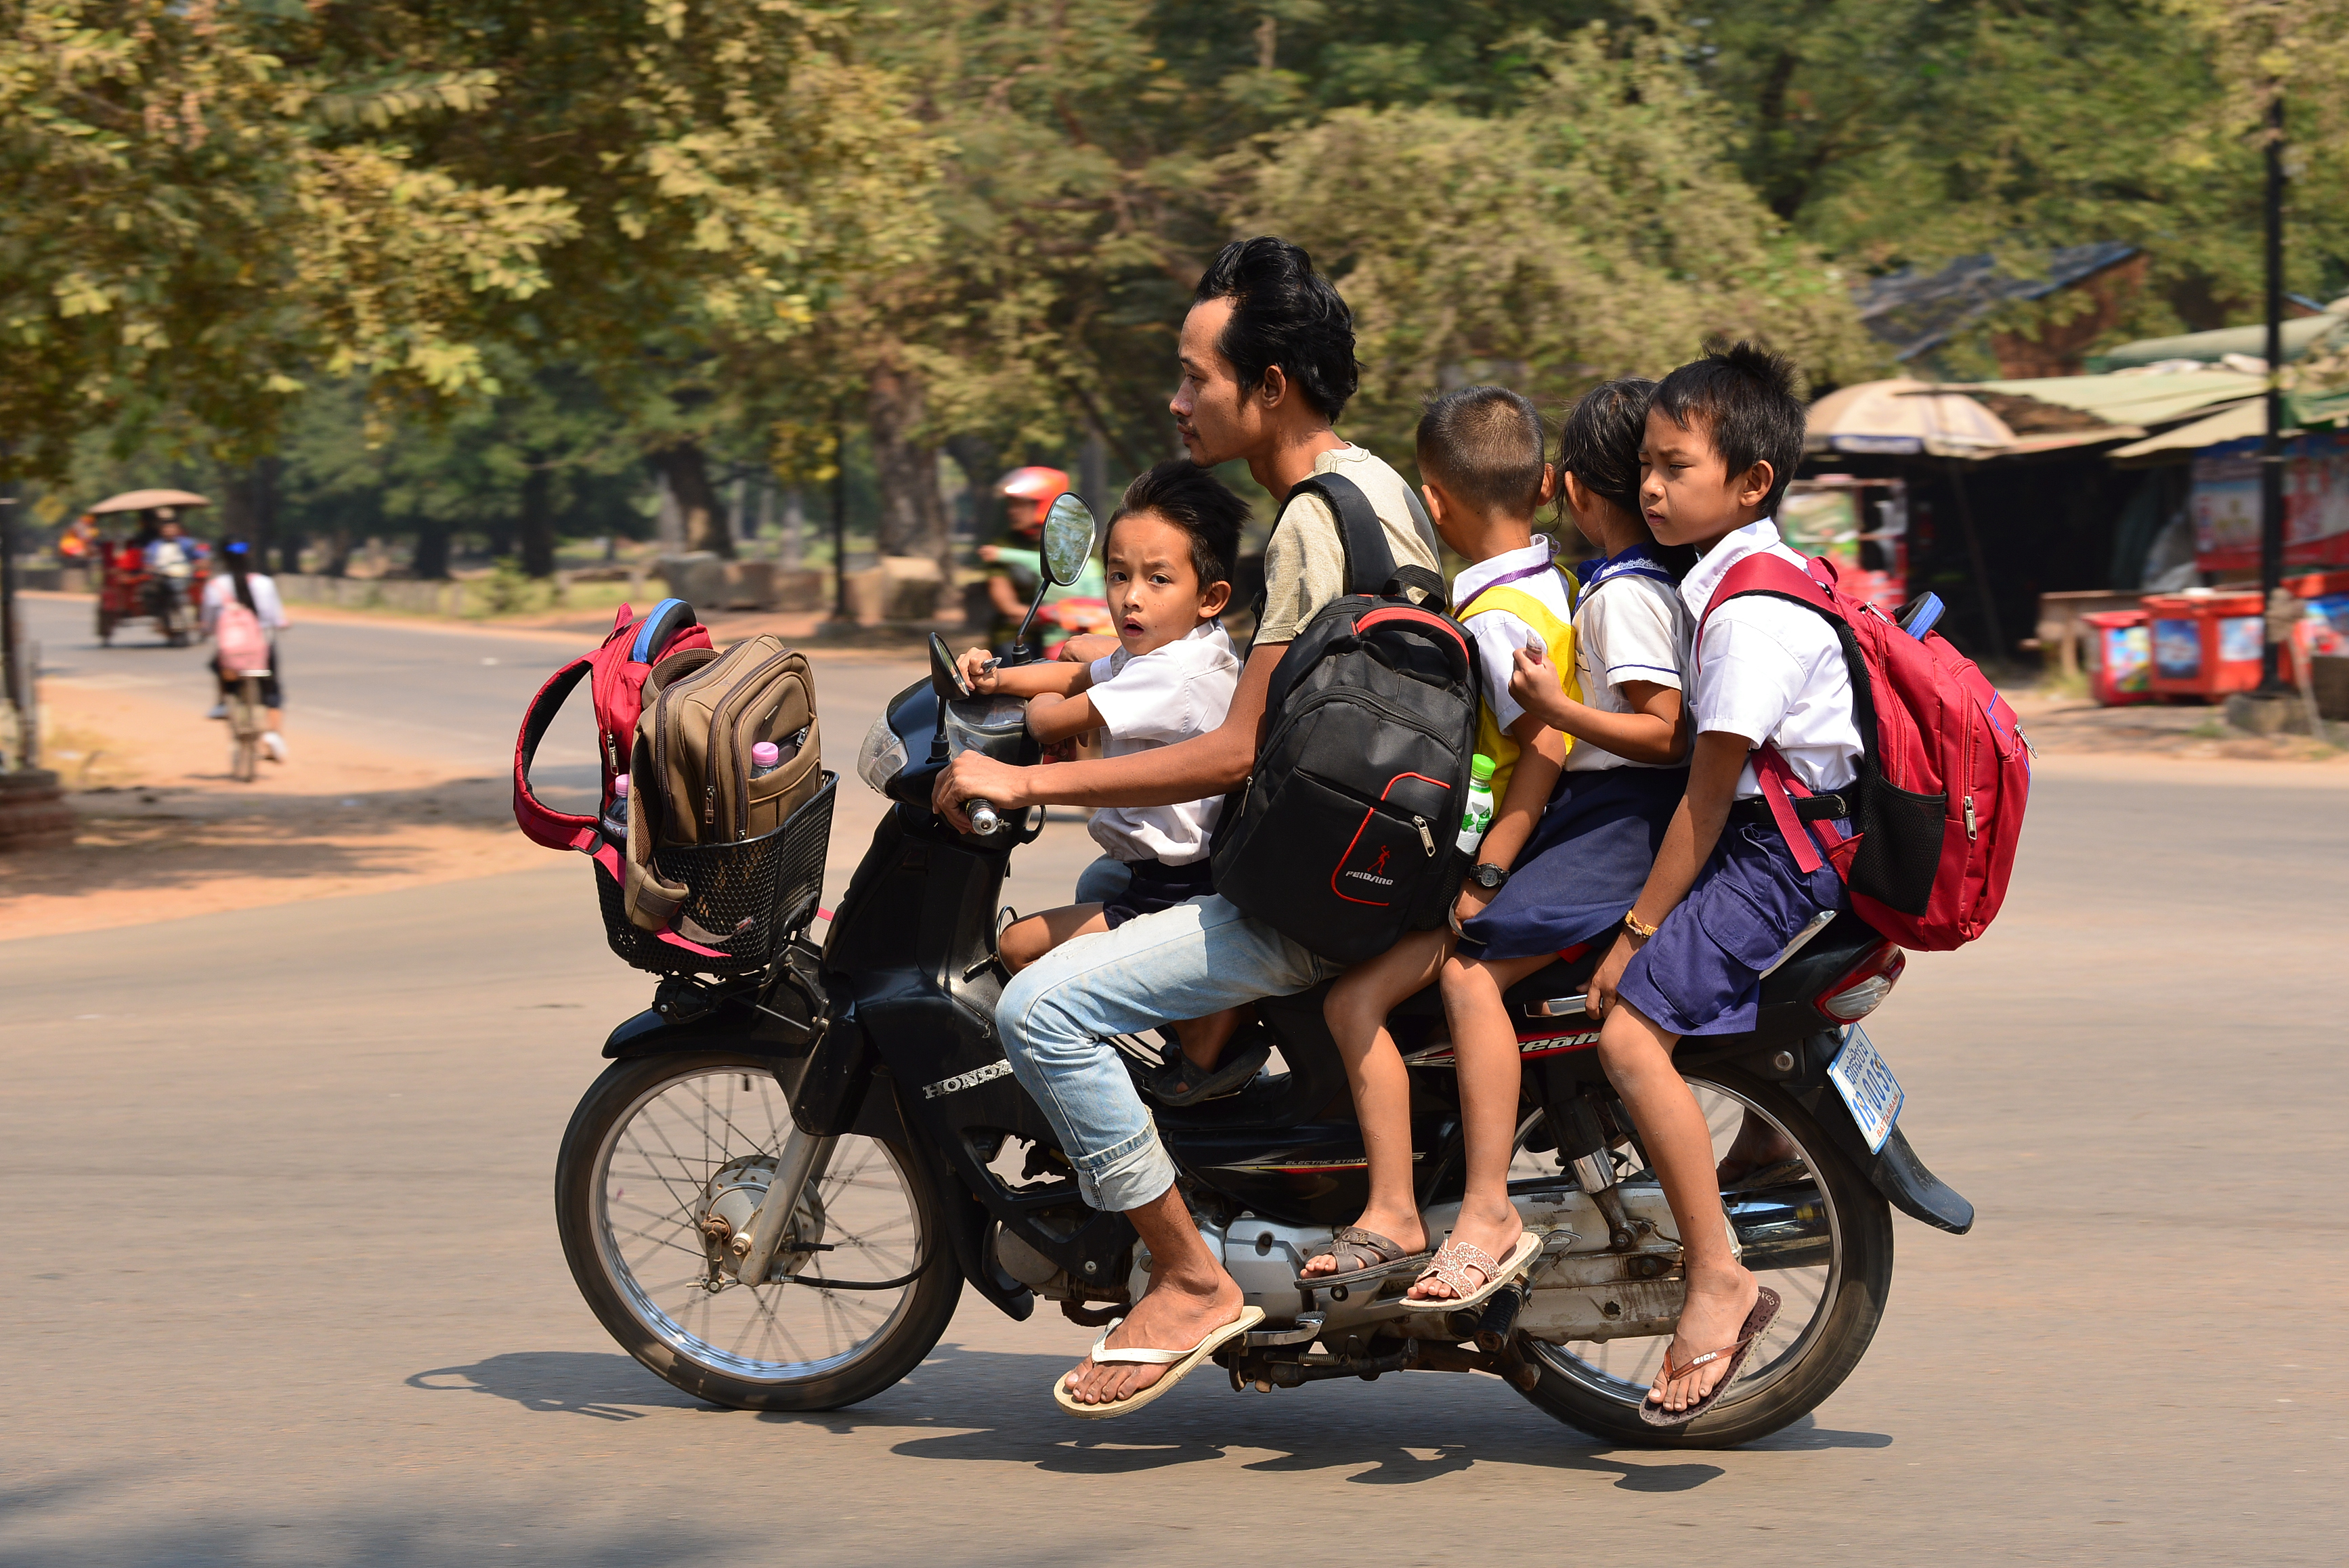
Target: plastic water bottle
[[1479, 815], [615, 815], [765, 757]]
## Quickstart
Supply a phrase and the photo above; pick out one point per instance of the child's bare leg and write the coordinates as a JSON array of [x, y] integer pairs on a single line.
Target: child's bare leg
[[1025, 941], [1638, 1056], [1485, 1044], [1357, 1010], [1203, 1040]]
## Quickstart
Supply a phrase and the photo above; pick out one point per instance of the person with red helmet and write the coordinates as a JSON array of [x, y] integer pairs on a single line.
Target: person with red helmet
[[1014, 563]]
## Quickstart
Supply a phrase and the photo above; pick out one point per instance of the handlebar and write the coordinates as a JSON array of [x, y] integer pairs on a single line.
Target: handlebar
[[983, 818]]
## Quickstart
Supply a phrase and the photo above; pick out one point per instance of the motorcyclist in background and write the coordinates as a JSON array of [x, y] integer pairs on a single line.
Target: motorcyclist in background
[[1013, 561]]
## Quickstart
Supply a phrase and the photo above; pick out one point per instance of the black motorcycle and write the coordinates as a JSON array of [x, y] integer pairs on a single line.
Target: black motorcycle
[[776, 1193]]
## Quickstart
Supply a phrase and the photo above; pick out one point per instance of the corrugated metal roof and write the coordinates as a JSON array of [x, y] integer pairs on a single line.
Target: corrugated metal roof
[[2299, 335], [2126, 398], [1917, 312]]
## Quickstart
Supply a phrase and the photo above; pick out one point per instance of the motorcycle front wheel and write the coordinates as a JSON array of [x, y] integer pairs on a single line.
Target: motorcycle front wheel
[[647, 1163], [1813, 1230]]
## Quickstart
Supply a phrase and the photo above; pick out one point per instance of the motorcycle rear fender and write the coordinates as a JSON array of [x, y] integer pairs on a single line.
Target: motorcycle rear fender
[[1895, 1170]]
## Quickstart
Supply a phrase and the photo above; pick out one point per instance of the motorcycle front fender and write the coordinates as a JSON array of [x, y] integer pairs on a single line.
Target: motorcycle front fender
[[825, 1079]]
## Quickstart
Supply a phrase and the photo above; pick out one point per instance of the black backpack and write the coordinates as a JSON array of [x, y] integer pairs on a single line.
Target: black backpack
[[1345, 837]]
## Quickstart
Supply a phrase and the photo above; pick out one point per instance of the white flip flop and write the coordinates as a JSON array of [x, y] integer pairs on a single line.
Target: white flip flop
[[1178, 1364]]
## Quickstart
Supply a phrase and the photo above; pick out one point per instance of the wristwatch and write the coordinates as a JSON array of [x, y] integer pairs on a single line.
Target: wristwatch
[[1491, 878]]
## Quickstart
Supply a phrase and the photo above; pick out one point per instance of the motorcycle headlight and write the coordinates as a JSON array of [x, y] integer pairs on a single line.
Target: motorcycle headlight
[[881, 757]]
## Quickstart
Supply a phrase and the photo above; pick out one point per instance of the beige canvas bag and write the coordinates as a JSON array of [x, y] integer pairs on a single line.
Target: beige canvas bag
[[689, 766]]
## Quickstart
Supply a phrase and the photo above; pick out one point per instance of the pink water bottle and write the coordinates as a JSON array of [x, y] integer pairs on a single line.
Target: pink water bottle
[[615, 815], [765, 757]]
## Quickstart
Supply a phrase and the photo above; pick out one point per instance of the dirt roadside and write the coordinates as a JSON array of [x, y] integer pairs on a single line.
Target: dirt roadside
[[165, 832]]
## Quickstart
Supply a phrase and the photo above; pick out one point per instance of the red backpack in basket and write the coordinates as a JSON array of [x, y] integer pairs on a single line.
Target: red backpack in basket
[[1943, 781], [619, 668]]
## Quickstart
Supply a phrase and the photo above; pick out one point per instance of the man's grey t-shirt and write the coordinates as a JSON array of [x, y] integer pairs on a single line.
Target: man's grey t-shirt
[[1305, 563]]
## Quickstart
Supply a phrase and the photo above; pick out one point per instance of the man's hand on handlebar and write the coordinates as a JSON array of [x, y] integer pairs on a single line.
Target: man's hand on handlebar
[[974, 777]]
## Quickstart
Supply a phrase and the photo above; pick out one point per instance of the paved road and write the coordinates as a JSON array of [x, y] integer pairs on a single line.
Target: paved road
[[284, 1286]]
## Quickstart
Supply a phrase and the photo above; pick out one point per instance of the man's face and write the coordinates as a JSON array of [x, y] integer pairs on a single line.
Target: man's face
[[1686, 491], [1026, 516], [1216, 421]]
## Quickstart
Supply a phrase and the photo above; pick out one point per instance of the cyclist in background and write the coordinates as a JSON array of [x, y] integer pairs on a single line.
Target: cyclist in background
[[255, 592]]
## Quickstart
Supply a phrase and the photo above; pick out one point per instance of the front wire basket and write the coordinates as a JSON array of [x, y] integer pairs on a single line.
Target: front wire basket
[[745, 900]]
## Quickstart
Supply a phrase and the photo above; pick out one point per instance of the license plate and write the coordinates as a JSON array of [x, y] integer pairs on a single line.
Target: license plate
[[1868, 1087]]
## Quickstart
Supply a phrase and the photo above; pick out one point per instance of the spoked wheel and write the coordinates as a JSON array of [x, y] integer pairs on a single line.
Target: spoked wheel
[[245, 730], [666, 1160], [1813, 1230]]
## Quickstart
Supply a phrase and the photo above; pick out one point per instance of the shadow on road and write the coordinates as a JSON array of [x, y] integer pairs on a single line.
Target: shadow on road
[[607, 1386]]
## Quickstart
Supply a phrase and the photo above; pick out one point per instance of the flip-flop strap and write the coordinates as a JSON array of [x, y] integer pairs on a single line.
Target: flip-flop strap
[[1142, 1355], [1368, 1247], [1707, 1359]]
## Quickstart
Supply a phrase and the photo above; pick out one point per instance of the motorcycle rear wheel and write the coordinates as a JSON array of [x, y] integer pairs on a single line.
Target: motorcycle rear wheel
[[666, 1127], [1829, 1314]]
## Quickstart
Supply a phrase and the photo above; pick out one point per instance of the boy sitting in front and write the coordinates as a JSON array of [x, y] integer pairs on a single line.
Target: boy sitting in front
[[1169, 556]]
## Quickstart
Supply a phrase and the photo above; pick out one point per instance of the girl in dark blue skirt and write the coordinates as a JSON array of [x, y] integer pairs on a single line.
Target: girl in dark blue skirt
[[1597, 840]]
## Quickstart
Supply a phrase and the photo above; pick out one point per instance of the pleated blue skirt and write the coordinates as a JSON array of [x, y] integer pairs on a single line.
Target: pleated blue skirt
[[1588, 860]]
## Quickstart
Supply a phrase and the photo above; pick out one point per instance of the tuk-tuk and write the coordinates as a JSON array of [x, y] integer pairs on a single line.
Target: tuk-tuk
[[136, 580]]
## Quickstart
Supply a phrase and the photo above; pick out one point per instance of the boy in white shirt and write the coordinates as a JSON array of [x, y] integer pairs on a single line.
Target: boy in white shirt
[[1480, 459], [1724, 433], [1169, 556]]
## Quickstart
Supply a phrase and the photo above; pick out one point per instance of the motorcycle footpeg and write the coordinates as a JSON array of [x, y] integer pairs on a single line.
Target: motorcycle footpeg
[[1309, 1325], [1500, 1318]]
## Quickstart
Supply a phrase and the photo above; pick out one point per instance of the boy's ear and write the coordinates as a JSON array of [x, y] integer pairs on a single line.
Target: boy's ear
[[1212, 602], [1754, 484], [1434, 503], [1549, 485]]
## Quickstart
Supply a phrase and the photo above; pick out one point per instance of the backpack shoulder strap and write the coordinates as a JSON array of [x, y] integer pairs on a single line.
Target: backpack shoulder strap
[[1370, 563], [1763, 573], [539, 823]]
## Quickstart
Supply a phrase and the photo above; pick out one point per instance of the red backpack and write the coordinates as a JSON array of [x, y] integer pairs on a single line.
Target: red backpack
[[619, 668], [1944, 777]]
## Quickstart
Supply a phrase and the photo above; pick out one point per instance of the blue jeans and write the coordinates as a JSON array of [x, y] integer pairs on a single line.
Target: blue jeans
[[1182, 963]]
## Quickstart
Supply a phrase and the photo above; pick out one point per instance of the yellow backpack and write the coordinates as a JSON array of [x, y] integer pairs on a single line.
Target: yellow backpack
[[1557, 634]]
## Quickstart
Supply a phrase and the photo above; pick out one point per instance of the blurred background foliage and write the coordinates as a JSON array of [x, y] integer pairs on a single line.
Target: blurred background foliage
[[473, 281]]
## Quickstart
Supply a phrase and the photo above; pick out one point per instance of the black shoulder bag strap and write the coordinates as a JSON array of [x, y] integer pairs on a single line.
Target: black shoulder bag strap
[[1370, 563]]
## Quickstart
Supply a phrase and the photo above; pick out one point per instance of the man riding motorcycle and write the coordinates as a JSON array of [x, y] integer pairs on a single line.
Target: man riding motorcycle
[[1236, 401]]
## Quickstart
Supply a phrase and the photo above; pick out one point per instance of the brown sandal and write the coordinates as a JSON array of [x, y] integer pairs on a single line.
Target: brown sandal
[[1373, 1256], [1651, 1410]]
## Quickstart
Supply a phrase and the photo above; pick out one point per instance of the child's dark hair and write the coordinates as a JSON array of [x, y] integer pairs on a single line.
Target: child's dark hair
[[1599, 445], [1483, 445], [1194, 500], [1285, 313], [1750, 402]]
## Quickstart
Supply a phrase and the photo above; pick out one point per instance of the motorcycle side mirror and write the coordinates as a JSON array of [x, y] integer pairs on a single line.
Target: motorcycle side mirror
[[1067, 541], [946, 680]]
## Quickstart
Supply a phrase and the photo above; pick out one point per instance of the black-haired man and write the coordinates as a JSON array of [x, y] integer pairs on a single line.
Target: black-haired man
[[1266, 357]]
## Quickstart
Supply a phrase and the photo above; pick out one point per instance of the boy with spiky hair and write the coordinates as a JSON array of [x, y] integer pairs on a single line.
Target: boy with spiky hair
[[1727, 896]]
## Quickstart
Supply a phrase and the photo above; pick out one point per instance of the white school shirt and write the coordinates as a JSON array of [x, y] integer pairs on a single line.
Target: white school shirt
[[1772, 671], [267, 607], [1497, 633], [1627, 627], [1155, 700]]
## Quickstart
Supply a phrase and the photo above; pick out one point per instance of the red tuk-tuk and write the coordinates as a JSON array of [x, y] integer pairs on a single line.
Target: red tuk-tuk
[[135, 582]]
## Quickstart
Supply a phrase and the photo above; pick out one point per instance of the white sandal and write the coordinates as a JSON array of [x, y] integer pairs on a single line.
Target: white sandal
[[1178, 1363], [1452, 1262]]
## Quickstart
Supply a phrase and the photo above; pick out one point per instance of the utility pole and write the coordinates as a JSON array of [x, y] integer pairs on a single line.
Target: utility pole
[[840, 515], [2271, 449]]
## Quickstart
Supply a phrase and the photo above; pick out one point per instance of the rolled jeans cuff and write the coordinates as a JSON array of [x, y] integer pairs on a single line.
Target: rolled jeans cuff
[[1126, 1176]]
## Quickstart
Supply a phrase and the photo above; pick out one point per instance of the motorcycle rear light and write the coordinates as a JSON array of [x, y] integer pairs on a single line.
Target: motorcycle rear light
[[1864, 986]]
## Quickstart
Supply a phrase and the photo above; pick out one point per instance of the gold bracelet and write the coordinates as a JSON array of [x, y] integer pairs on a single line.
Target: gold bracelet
[[1632, 924]]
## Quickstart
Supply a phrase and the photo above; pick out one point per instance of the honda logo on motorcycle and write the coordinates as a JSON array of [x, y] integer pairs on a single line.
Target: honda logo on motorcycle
[[962, 1081]]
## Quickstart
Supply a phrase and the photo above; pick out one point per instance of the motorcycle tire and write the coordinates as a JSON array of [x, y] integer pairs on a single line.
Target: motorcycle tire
[[1853, 1304], [701, 1368], [104, 629]]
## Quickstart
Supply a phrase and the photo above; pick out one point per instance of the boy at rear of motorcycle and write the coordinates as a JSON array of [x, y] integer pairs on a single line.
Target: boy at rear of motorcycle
[[1169, 556], [1480, 461], [1599, 834], [1727, 896]]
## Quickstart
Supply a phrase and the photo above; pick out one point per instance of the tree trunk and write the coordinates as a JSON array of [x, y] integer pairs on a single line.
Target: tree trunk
[[688, 473], [913, 514], [537, 529], [431, 551]]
